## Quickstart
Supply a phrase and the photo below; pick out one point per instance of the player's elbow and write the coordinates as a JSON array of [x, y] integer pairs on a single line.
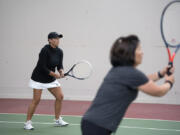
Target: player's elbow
[[154, 90], [158, 91], [155, 93]]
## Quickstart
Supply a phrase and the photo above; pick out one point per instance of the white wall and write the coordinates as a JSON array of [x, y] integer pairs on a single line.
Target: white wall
[[89, 28]]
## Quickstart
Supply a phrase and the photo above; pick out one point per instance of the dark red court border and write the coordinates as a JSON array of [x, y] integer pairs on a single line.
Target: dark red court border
[[136, 110]]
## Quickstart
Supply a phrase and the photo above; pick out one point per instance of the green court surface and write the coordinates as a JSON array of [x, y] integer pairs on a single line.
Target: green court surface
[[12, 124]]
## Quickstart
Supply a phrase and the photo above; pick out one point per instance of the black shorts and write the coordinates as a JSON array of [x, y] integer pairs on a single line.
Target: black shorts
[[89, 128]]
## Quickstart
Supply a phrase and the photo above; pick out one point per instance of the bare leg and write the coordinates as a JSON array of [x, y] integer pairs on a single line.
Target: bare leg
[[35, 101], [57, 92]]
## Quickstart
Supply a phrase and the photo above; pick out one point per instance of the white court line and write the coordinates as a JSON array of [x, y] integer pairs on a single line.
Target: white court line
[[177, 130], [73, 124], [81, 116], [41, 123]]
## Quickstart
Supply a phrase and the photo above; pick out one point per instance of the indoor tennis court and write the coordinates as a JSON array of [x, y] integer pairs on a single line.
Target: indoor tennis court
[[85, 32], [12, 124], [140, 119]]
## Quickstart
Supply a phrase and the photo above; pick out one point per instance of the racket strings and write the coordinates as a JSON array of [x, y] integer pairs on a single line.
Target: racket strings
[[171, 25], [82, 70]]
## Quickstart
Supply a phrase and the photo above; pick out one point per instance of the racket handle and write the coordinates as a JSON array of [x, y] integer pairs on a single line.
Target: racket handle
[[65, 74], [169, 68]]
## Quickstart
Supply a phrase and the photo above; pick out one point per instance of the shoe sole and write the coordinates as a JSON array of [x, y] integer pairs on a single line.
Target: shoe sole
[[29, 129], [61, 125]]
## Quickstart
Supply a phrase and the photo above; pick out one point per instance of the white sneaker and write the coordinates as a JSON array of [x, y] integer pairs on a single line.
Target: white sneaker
[[28, 125], [60, 122]]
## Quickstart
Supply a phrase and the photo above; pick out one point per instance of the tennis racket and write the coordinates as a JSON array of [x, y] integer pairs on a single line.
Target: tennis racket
[[170, 29], [81, 70]]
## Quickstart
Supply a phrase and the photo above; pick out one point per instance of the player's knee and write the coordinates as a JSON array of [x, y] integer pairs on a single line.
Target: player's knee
[[60, 97]]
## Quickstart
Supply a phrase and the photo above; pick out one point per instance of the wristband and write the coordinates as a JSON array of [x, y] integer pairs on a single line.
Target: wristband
[[159, 75], [171, 84]]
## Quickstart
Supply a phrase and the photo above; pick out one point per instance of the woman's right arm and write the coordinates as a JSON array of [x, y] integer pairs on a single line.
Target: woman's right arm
[[158, 75], [153, 89]]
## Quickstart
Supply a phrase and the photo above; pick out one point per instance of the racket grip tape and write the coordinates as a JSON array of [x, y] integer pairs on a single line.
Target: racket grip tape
[[169, 68]]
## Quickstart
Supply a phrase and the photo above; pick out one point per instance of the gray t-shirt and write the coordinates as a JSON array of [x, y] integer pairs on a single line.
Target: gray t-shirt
[[117, 91]]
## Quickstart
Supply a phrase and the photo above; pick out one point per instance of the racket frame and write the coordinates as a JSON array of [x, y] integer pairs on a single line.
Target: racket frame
[[70, 72], [177, 46]]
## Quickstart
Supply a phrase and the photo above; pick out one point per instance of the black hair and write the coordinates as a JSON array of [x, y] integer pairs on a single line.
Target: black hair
[[123, 51]]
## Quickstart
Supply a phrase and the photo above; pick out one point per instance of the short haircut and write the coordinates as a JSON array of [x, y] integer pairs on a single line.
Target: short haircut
[[123, 51]]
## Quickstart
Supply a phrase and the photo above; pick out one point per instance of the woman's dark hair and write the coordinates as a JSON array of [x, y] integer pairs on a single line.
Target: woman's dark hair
[[123, 51]]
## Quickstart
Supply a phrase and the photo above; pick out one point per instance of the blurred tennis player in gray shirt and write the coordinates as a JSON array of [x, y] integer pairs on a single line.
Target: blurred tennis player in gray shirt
[[120, 87]]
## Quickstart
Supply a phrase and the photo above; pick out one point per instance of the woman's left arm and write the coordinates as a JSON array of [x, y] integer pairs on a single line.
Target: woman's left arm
[[158, 75]]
